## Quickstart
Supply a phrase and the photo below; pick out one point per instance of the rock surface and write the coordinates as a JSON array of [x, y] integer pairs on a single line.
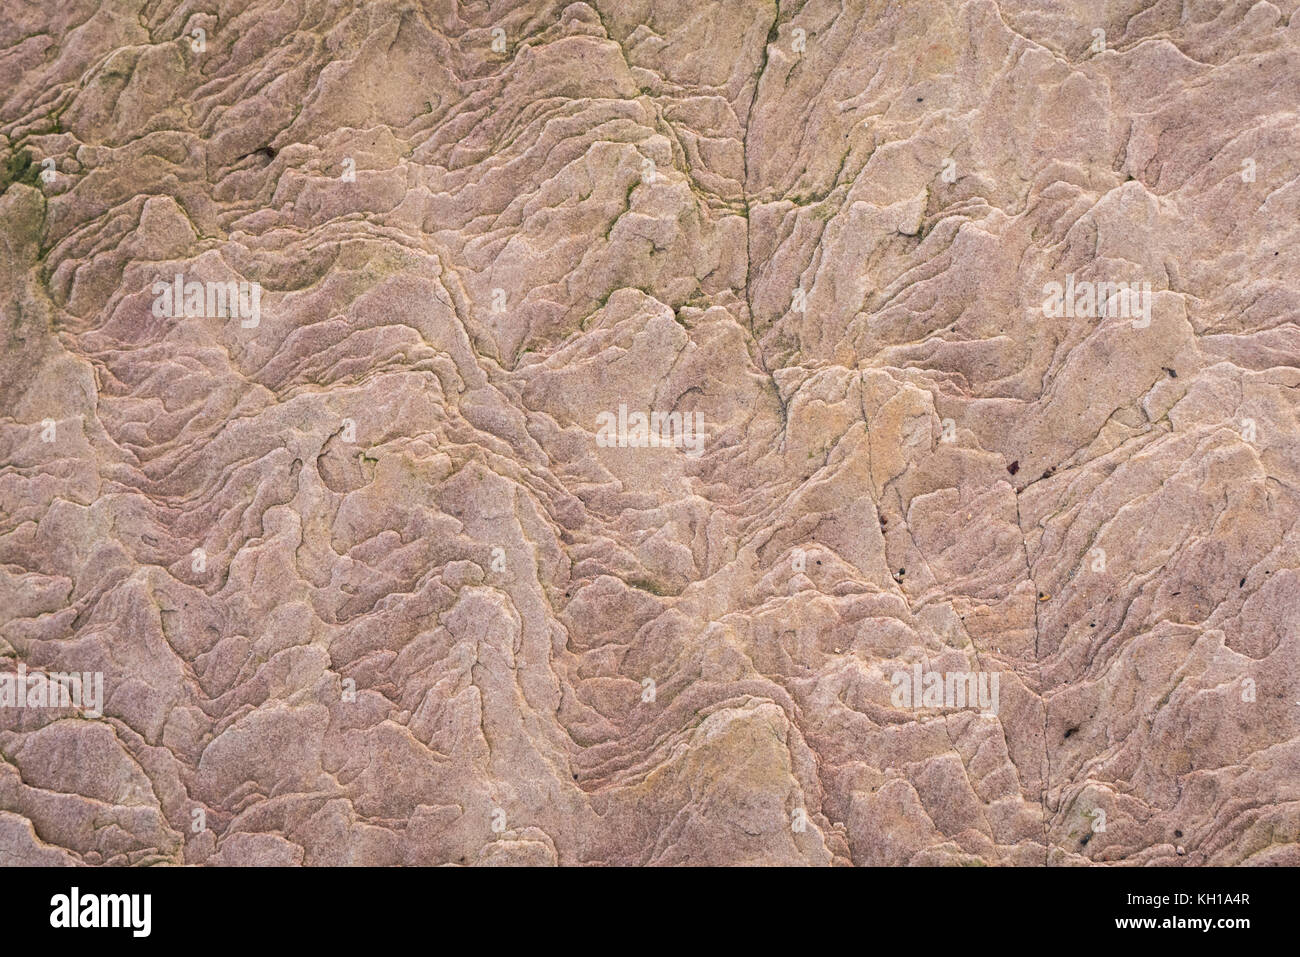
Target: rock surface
[[379, 567]]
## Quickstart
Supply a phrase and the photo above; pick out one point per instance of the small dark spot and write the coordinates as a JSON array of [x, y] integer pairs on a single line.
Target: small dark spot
[[1242, 583], [920, 99], [819, 561], [1177, 593], [902, 571], [1084, 842], [1014, 467], [1178, 833], [575, 776], [1170, 371], [1070, 731], [19, 169], [1093, 625]]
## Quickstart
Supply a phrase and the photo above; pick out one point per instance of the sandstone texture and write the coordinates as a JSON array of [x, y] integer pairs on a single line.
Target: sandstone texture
[[379, 564]]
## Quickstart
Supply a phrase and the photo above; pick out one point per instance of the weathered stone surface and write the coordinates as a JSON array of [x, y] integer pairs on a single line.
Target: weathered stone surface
[[369, 573]]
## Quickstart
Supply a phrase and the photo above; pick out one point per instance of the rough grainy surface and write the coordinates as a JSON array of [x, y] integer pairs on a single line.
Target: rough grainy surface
[[367, 580]]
